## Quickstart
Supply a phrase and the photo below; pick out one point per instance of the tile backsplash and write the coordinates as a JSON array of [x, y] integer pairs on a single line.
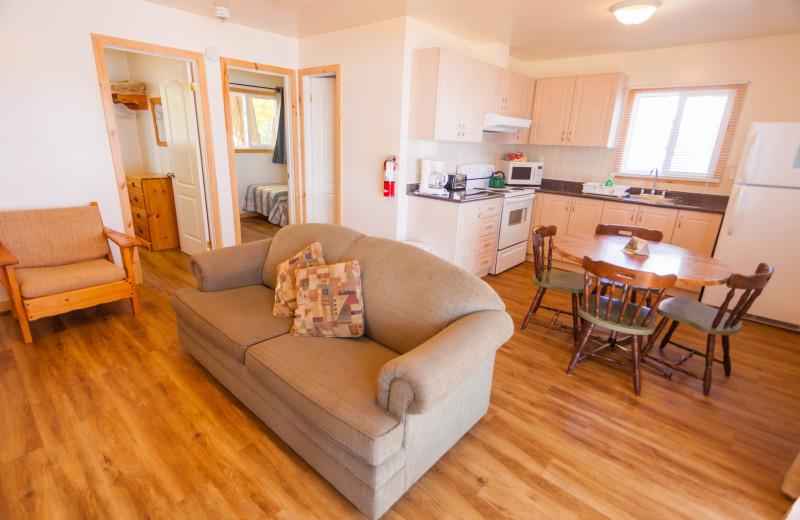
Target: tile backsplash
[[570, 163]]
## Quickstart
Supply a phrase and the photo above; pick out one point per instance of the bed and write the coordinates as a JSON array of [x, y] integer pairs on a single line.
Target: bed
[[269, 200]]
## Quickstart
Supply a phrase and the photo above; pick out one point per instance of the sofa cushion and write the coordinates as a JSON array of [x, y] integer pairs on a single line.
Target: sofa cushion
[[404, 301], [291, 239], [285, 290], [333, 383], [46, 237], [44, 281], [329, 301], [234, 319]]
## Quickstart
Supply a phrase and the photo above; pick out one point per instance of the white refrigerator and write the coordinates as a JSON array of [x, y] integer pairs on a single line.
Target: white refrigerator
[[762, 222]]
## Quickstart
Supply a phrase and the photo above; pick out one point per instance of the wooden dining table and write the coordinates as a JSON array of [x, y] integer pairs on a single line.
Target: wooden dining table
[[693, 269]]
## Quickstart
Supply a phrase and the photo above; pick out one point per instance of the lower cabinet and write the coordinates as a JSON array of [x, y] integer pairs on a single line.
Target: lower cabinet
[[462, 233], [570, 215], [697, 231], [651, 217]]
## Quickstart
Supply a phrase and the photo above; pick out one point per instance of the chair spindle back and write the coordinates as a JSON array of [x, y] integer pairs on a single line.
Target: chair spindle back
[[542, 242], [751, 286], [652, 286]]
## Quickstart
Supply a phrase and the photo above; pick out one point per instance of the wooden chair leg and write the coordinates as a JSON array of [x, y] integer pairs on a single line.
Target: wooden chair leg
[[636, 354], [668, 335], [709, 364], [537, 300], [580, 344], [135, 299], [24, 324], [726, 354], [575, 326]]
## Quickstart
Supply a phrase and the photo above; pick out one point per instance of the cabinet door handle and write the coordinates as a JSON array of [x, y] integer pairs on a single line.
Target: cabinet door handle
[[574, 203], [136, 199], [680, 221], [563, 135], [569, 136], [641, 218], [633, 215]]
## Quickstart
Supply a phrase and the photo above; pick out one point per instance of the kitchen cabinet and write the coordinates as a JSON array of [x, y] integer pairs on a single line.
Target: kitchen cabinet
[[697, 231], [508, 93], [462, 233], [577, 110], [643, 215], [448, 93], [570, 215]]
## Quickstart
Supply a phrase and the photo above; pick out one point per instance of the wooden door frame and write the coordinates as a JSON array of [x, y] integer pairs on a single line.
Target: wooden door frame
[[337, 132], [100, 41], [225, 64]]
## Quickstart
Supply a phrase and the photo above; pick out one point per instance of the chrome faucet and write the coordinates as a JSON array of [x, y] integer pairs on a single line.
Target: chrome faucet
[[655, 180]]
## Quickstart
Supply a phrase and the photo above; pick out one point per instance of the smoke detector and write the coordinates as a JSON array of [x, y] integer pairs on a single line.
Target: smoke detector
[[222, 13]]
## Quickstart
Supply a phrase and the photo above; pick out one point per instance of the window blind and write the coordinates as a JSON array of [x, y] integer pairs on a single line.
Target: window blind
[[685, 132]]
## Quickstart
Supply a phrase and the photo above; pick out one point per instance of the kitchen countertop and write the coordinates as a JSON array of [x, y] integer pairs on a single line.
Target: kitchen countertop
[[452, 196], [683, 199]]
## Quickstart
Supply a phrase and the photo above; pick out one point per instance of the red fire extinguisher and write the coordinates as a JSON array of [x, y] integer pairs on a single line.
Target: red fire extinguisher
[[389, 175]]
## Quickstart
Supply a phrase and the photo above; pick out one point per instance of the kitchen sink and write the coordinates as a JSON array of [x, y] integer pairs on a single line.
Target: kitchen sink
[[648, 197]]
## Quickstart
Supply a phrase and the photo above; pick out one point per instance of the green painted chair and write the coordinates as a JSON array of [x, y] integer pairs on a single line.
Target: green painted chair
[[546, 278], [617, 312], [712, 321]]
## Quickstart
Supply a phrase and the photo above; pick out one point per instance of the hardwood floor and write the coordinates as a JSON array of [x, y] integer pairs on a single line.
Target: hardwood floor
[[104, 416], [257, 228]]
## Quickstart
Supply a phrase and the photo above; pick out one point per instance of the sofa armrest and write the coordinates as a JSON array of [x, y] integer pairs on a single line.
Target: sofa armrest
[[121, 239], [6, 257], [230, 267], [422, 377]]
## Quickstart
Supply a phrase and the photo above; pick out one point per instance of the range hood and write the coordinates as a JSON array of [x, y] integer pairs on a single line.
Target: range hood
[[499, 123]]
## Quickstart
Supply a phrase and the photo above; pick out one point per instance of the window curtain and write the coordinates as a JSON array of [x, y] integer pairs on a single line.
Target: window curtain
[[279, 154]]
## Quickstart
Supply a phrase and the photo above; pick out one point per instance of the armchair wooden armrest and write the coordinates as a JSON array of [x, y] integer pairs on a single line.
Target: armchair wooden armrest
[[6, 258], [121, 239]]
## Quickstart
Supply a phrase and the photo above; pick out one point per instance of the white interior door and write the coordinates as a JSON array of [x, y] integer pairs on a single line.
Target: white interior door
[[321, 179], [180, 121]]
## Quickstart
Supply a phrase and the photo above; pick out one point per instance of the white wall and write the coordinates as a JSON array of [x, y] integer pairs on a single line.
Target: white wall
[[371, 59], [257, 168]]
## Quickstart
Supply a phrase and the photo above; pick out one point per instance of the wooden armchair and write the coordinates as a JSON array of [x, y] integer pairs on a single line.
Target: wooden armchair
[[54, 261]]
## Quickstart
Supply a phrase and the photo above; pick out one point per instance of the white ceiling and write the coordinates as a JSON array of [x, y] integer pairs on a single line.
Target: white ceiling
[[533, 29]]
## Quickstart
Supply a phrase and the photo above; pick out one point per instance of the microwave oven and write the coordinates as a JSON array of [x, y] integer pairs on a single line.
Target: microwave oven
[[522, 173]]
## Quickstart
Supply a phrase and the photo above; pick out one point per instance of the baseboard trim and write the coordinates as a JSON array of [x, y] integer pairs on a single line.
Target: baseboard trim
[[247, 214]]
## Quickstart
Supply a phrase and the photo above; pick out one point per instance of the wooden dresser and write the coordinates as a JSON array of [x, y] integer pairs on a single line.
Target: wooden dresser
[[153, 210]]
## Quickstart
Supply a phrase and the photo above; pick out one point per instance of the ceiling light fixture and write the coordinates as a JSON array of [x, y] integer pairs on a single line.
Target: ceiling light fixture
[[632, 12]]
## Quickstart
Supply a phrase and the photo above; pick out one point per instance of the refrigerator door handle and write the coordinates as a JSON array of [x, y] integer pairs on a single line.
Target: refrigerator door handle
[[751, 153], [735, 209]]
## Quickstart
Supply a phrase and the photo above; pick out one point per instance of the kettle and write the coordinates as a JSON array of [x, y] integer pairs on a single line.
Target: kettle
[[497, 180]]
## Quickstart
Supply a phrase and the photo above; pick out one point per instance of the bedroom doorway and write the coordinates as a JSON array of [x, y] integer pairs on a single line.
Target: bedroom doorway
[[260, 121], [174, 83]]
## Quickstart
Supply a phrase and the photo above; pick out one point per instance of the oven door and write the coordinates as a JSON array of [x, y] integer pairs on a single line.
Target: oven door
[[515, 221]]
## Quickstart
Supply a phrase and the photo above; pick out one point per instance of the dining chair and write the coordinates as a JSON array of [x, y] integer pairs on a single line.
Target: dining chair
[[546, 278], [644, 233], [617, 312], [714, 322]]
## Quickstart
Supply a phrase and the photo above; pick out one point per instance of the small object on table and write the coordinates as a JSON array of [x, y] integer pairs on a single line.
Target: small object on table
[[637, 246]]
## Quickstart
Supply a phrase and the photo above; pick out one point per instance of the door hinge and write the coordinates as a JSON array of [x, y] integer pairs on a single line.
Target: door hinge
[[309, 98], [208, 244], [193, 86]]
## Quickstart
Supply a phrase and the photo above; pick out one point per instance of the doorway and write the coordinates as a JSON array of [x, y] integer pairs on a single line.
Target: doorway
[[320, 94], [261, 128], [175, 80]]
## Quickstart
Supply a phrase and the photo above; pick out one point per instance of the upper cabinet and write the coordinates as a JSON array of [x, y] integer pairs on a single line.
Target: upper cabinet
[[578, 110], [508, 93], [448, 92]]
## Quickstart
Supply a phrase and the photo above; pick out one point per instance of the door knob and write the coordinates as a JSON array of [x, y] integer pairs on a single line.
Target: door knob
[[171, 175]]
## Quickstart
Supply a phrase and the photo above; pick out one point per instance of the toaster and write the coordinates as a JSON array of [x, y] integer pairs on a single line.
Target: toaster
[[456, 182]]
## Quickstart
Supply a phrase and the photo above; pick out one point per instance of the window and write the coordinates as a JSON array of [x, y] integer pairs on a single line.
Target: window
[[254, 116], [685, 132]]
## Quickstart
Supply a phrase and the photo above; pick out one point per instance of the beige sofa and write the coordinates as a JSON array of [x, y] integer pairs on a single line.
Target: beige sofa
[[370, 414]]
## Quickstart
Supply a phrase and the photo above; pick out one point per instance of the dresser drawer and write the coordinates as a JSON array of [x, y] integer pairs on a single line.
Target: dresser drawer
[[487, 226], [486, 244], [141, 229], [134, 183], [136, 199]]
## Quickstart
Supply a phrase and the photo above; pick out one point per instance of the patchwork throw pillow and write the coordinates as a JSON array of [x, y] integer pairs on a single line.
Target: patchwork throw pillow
[[287, 272], [329, 301]]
